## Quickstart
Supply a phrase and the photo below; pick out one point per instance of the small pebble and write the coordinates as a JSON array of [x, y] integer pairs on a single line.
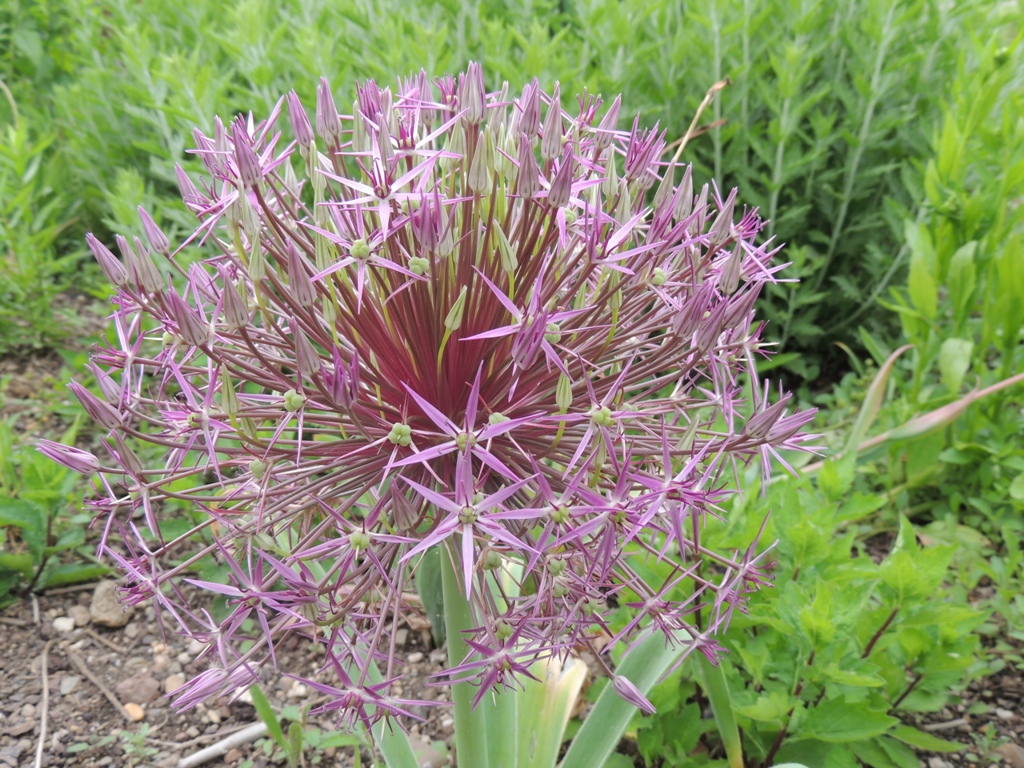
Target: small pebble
[[132, 631], [64, 624], [192, 731], [80, 614], [415, 658], [68, 683], [194, 648], [233, 756], [1005, 714], [161, 662], [134, 711], [173, 683], [298, 691], [29, 710], [213, 716]]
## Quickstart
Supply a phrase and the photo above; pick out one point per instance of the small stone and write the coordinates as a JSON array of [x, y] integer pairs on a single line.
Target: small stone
[[447, 723], [297, 691], [105, 608], [139, 687], [192, 732], [68, 683], [80, 614], [938, 762], [1005, 714], [213, 716], [173, 683], [22, 728], [414, 658], [1012, 754], [64, 624], [174, 668], [134, 711], [29, 710], [132, 631], [233, 756], [194, 648], [161, 662]]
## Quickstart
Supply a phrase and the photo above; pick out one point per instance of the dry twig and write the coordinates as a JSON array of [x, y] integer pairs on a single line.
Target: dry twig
[[100, 638], [77, 661], [44, 706], [224, 746]]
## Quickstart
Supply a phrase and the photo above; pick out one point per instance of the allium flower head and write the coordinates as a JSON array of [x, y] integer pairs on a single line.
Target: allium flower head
[[451, 319]]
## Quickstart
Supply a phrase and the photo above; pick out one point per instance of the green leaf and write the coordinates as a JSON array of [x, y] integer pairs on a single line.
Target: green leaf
[[840, 676], [954, 362], [340, 740], [266, 713], [428, 585], [839, 721], [923, 740], [1017, 487], [618, 760], [962, 278], [644, 664], [294, 747], [924, 294], [72, 573], [770, 707]]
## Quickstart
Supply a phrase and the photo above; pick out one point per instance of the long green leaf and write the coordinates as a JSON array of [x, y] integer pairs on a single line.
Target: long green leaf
[[470, 722], [717, 690], [544, 710], [643, 665], [266, 712]]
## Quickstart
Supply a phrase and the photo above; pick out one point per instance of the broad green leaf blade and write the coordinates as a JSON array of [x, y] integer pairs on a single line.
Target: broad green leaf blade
[[923, 740], [717, 689], [643, 665], [544, 710], [837, 721]]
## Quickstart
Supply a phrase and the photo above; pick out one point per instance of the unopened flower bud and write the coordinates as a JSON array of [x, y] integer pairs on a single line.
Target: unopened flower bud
[[528, 178], [561, 184], [453, 320], [249, 171], [73, 458], [563, 393], [112, 268], [551, 141], [300, 122], [157, 239], [472, 96], [625, 688], [606, 129], [328, 124]]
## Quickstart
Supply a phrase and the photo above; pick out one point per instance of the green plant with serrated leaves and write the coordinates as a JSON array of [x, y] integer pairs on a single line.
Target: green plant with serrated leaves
[[42, 544]]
